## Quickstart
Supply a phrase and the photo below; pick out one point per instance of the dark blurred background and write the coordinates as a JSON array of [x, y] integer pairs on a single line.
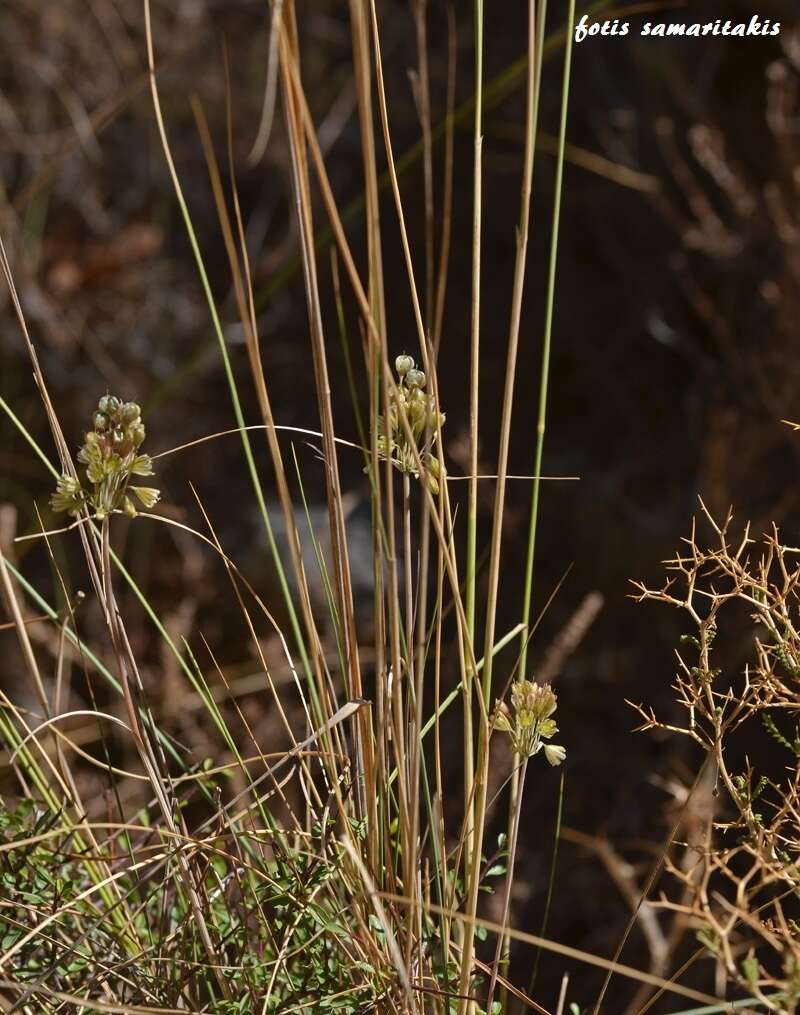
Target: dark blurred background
[[675, 352]]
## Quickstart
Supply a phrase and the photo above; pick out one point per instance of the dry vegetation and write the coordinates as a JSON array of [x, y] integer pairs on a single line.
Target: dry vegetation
[[179, 833]]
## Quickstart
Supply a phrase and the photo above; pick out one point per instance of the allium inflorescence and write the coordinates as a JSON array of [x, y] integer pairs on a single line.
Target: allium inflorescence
[[528, 722], [424, 419], [110, 453]]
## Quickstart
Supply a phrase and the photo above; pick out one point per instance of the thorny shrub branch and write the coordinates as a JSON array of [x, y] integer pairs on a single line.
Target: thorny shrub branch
[[742, 888]]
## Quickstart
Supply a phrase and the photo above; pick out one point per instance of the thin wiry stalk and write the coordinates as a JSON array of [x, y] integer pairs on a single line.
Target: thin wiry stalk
[[474, 398], [235, 577], [423, 96], [98, 558], [443, 533], [500, 488], [394, 607], [85, 652], [384, 116], [270, 89], [374, 351], [512, 856], [416, 647], [544, 376], [236, 402], [439, 830], [243, 291], [385, 380], [289, 64], [494, 93], [578, 954], [411, 732], [60, 802], [537, 15], [131, 686], [447, 198], [551, 881]]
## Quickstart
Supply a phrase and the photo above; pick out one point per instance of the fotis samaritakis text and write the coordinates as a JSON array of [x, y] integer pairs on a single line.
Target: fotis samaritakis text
[[756, 27]]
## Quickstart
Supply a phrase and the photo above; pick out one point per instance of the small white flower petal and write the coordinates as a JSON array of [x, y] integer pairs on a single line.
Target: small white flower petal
[[554, 753], [148, 495]]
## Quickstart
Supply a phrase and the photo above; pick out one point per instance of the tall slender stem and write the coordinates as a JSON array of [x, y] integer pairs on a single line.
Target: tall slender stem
[[410, 874], [544, 378], [472, 503], [481, 775], [475, 321], [512, 857]]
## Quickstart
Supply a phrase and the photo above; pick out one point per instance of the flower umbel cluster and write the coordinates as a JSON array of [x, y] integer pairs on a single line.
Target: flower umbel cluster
[[424, 419], [528, 721], [110, 452]]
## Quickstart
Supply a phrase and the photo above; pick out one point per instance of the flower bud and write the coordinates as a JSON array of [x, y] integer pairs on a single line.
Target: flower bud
[[416, 411], [554, 753], [100, 422], [130, 412], [502, 718], [108, 404], [403, 364], [123, 443], [416, 415], [435, 418], [415, 378]]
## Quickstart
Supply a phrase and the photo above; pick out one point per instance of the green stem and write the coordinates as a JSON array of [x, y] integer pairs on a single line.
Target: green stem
[[550, 884], [512, 856], [472, 503], [223, 349], [546, 346]]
